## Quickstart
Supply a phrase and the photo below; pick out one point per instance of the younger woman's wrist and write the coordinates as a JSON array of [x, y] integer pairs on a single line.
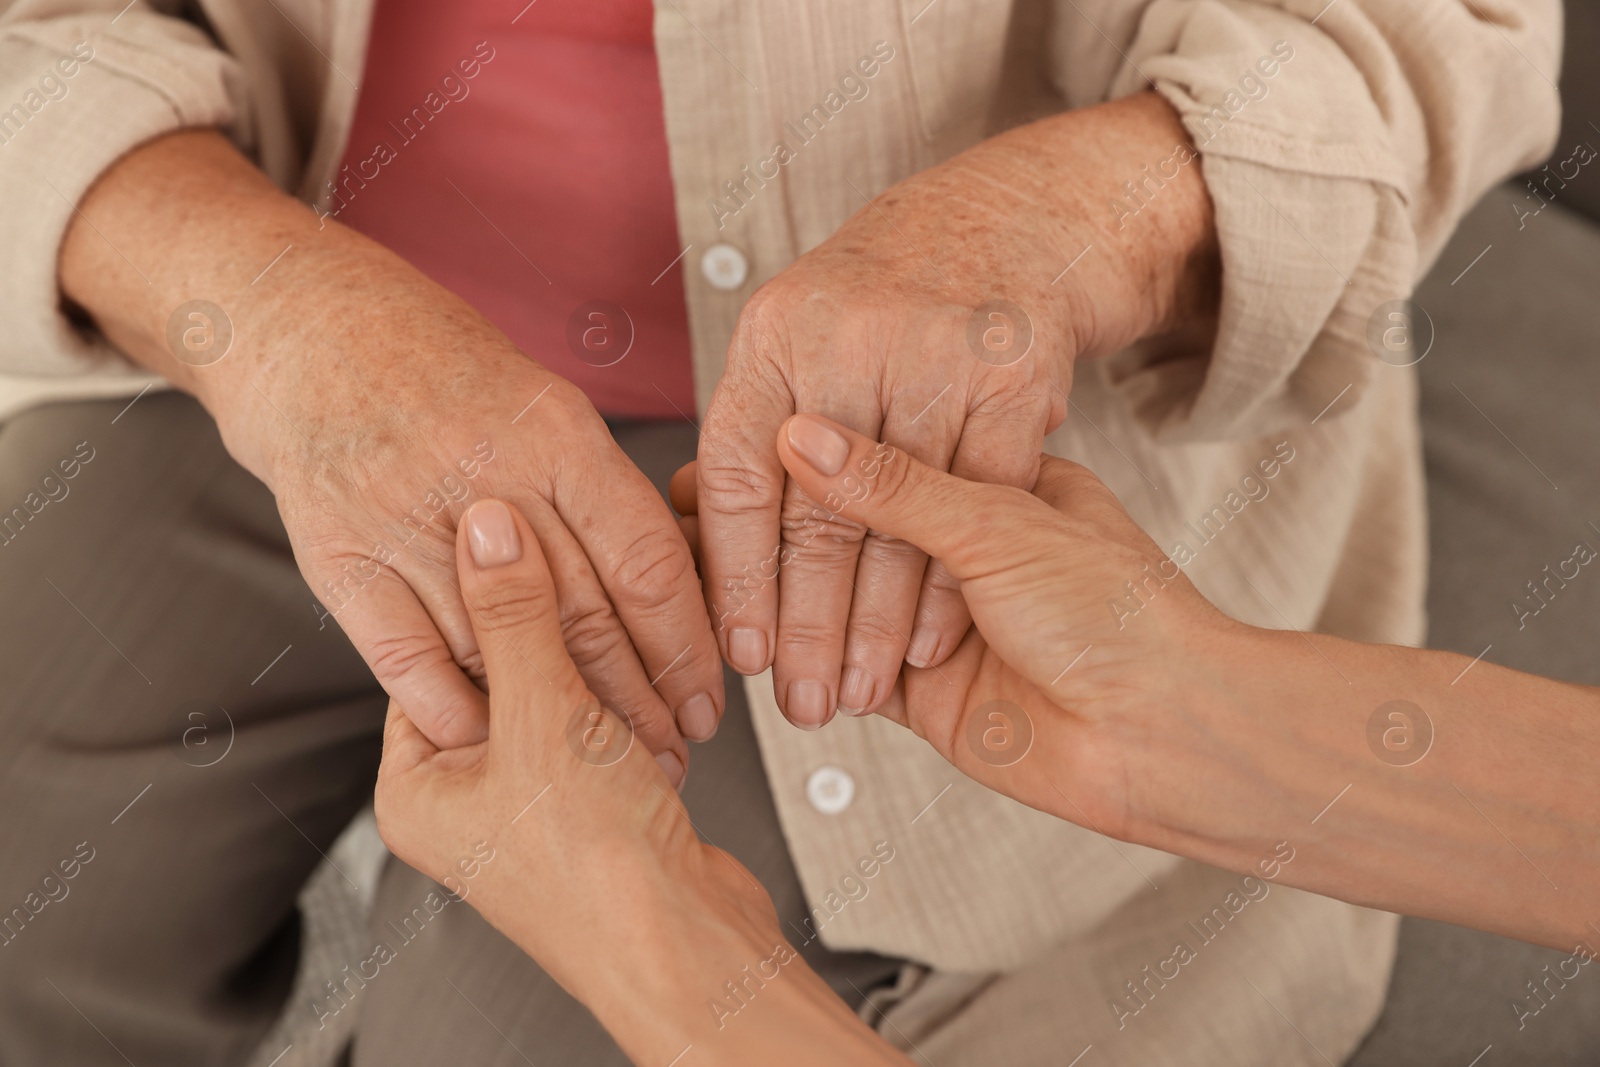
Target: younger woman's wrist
[[1220, 752]]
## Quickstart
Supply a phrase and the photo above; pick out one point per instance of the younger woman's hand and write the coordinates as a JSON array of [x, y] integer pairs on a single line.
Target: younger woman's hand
[[563, 832], [559, 828], [1101, 687], [1085, 688]]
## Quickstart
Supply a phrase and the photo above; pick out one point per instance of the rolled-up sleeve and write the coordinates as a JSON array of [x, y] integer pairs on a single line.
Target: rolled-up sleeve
[[1340, 141], [80, 85]]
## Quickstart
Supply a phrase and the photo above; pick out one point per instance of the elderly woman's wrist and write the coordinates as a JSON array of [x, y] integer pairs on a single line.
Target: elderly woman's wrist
[[350, 346], [1155, 227]]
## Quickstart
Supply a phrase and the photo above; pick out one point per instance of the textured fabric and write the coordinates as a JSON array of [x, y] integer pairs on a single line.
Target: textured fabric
[[80, 87], [174, 706], [524, 168], [1336, 179]]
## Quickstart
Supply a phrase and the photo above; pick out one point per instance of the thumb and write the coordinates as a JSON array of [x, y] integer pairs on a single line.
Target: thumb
[[511, 601], [883, 488]]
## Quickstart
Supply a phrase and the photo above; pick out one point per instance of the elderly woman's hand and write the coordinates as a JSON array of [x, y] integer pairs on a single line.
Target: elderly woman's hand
[[945, 318], [564, 833]]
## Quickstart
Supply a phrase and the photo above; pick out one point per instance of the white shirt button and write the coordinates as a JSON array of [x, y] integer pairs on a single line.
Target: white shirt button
[[830, 790], [725, 267]]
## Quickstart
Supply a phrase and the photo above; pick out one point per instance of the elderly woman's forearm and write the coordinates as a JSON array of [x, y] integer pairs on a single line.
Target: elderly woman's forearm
[[184, 240]]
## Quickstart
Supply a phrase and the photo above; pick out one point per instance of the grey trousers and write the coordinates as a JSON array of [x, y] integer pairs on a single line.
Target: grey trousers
[[180, 742]]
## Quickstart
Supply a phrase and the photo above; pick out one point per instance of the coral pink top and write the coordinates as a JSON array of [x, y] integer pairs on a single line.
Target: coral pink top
[[519, 158]]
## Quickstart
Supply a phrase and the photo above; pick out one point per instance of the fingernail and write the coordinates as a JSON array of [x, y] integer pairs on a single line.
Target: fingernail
[[818, 444], [697, 717], [747, 650], [924, 646], [672, 767], [808, 704], [491, 535], [855, 692]]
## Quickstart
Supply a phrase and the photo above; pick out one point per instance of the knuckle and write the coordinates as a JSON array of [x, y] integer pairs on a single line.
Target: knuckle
[[732, 489], [1030, 402], [510, 604], [327, 544], [763, 321], [654, 728], [652, 570], [888, 472], [399, 656], [682, 669], [873, 628], [1075, 479], [888, 477], [1012, 500], [568, 402], [816, 534], [472, 665], [592, 634], [805, 637], [886, 554]]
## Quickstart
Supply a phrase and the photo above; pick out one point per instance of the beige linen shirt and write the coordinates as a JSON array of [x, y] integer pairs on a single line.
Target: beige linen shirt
[[1336, 179]]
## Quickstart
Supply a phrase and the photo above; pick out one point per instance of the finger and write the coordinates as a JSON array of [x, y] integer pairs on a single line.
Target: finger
[[1000, 443], [817, 589], [940, 618], [404, 746], [689, 526], [931, 703], [740, 492], [510, 596], [597, 641], [1064, 484], [428, 567], [683, 492], [647, 571], [684, 489], [889, 573], [400, 642], [887, 584], [512, 601], [934, 702], [869, 483], [894, 708]]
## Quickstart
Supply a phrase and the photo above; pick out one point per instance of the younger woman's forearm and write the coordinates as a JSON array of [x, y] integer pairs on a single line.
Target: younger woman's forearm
[[698, 962], [1414, 781], [731, 996]]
